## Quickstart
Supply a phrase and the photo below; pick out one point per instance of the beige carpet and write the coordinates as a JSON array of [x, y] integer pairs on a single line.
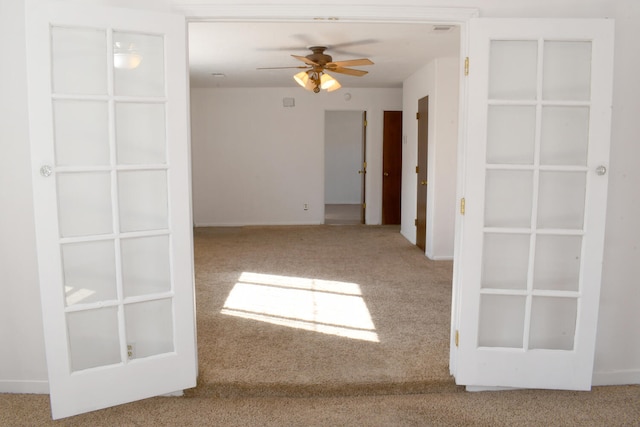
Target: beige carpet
[[250, 368], [407, 296]]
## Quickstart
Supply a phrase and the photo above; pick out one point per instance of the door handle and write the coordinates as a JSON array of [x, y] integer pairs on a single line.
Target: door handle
[[423, 182], [386, 174]]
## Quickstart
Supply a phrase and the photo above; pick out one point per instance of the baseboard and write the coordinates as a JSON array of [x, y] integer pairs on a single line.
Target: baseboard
[[616, 377], [442, 258], [26, 387], [438, 257], [257, 224]]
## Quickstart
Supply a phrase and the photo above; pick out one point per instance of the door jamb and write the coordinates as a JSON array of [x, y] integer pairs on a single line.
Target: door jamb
[[372, 14]]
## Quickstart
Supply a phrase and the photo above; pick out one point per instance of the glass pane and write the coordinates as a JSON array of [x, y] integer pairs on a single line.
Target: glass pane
[[145, 265], [564, 136], [513, 69], [143, 200], [139, 64], [557, 264], [505, 261], [84, 203], [140, 133], [79, 61], [511, 134], [149, 328], [89, 272], [81, 130], [561, 199], [567, 70], [93, 338], [501, 321], [508, 198], [553, 323]]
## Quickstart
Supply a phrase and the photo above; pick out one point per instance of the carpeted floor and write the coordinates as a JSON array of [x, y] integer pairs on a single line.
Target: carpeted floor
[[338, 310], [267, 362]]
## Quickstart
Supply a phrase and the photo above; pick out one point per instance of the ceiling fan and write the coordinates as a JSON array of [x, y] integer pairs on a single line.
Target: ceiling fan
[[315, 76]]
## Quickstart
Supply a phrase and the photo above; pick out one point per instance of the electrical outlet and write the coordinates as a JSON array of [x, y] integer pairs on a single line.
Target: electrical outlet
[[131, 351], [306, 206]]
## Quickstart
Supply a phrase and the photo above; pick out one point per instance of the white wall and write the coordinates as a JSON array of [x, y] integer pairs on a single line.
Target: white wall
[[22, 365], [257, 162], [438, 80], [22, 361], [342, 157]]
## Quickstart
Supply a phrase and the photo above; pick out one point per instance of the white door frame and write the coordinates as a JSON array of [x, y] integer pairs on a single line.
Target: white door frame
[[370, 14]]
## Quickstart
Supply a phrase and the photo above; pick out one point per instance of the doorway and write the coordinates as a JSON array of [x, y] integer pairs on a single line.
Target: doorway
[[421, 170], [391, 167], [344, 167]]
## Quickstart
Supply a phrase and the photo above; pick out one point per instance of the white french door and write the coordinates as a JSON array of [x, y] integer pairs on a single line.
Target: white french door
[[110, 157], [535, 189]]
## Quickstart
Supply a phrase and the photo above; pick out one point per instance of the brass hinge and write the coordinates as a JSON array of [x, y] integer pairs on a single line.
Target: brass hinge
[[457, 337], [366, 123], [415, 222], [417, 169], [466, 66], [417, 116], [364, 165], [462, 206], [364, 206]]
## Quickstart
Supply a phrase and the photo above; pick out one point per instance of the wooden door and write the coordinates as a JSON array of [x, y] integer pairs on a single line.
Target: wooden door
[[363, 171], [535, 189], [391, 167], [111, 183], [421, 169]]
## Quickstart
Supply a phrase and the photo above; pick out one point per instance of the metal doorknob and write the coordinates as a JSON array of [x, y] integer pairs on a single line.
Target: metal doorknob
[[46, 171], [601, 170], [386, 174], [423, 182]]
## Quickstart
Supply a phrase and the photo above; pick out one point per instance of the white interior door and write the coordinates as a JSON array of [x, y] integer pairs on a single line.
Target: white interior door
[[537, 147], [110, 156]]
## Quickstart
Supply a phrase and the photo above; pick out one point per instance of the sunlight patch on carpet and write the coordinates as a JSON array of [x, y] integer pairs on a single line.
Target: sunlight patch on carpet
[[324, 306]]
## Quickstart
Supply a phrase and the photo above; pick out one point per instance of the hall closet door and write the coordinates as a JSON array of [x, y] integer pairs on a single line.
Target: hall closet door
[[108, 123], [534, 202]]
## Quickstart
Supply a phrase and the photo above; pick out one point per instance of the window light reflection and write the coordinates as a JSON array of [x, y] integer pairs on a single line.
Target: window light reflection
[[328, 307]]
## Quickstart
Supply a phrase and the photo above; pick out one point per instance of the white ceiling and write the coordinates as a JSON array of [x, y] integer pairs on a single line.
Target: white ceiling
[[236, 49]]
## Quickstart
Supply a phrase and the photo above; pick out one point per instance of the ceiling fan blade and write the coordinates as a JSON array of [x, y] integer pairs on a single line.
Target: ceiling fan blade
[[281, 68], [304, 59], [351, 62], [349, 71]]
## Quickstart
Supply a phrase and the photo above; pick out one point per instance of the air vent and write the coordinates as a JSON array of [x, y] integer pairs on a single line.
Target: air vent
[[442, 28]]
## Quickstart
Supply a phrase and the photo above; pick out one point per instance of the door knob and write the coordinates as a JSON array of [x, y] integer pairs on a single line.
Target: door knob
[[46, 171], [386, 174], [423, 182], [601, 170]]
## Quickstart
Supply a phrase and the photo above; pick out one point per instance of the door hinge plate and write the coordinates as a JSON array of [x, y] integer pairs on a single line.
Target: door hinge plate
[[417, 169], [364, 206], [457, 338], [415, 222], [365, 123], [466, 66], [462, 206], [417, 116]]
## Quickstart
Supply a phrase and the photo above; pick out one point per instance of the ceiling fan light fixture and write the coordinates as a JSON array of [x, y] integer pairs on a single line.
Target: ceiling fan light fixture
[[302, 78], [327, 82], [335, 86]]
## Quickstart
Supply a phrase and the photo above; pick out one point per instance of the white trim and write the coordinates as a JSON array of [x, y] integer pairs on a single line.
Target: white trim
[[440, 258], [24, 386], [616, 377], [254, 224], [341, 12]]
